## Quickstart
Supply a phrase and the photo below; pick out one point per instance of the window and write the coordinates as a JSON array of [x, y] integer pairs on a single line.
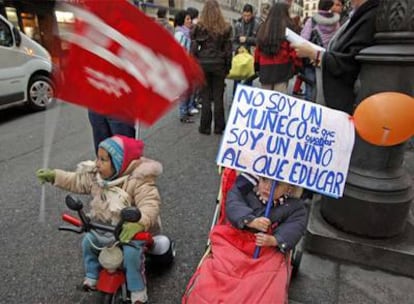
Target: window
[[6, 38], [12, 16]]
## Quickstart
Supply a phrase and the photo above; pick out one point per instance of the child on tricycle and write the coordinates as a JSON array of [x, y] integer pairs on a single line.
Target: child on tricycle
[[119, 178]]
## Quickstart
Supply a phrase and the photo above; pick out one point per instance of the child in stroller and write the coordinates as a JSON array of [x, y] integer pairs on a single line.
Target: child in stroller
[[229, 269]]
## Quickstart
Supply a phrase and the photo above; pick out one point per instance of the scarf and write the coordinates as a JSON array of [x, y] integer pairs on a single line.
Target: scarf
[[276, 202], [107, 184], [185, 30]]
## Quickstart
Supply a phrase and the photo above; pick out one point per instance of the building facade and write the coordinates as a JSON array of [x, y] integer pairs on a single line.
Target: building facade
[[310, 7], [232, 8], [36, 19], [42, 21]]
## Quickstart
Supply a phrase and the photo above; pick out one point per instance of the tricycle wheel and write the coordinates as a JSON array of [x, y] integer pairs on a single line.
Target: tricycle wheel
[[109, 298]]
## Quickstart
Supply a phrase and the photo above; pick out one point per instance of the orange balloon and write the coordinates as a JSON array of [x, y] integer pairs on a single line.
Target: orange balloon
[[385, 119]]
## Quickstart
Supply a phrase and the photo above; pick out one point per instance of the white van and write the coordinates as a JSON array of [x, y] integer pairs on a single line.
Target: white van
[[25, 70]]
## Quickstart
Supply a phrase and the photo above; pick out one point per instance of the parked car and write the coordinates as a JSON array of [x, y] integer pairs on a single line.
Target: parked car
[[25, 70]]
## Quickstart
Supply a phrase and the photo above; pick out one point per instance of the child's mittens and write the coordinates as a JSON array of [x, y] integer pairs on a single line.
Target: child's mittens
[[129, 230], [46, 175]]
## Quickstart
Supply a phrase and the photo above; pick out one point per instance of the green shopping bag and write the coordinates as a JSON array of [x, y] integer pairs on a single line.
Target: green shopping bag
[[242, 66]]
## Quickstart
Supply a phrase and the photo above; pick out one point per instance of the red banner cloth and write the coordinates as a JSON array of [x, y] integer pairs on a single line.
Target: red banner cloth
[[123, 64]]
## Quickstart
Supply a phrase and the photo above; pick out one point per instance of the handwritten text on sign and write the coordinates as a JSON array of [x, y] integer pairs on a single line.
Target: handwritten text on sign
[[284, 138]]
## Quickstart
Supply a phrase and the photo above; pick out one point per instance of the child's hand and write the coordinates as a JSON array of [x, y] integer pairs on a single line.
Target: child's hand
[[45, 175], [129, 230], [263, 239], [260, 223]]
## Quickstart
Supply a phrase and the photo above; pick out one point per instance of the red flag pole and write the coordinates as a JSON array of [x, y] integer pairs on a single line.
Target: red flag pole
[[137, 130]]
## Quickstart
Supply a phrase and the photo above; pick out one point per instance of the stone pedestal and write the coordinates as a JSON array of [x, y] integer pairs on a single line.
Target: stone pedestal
[[392, 254]]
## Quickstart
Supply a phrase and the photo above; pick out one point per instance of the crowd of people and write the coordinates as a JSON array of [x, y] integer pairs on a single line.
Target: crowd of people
[[213, 41], [122, 177]]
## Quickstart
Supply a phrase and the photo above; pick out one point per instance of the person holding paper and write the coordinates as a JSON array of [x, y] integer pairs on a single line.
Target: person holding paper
[[275, 59], [319, 30], [340, 69]]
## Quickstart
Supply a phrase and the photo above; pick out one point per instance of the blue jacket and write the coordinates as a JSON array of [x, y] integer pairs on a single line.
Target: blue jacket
[[243, 205]]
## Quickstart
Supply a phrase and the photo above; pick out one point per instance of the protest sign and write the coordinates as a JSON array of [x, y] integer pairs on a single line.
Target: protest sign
[[281, 137]]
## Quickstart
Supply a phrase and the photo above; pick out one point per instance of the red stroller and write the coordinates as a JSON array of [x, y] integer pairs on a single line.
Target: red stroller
[[228, 274]]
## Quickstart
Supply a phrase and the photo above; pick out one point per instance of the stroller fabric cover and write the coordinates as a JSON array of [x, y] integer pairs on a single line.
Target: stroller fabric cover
[[230, 274]]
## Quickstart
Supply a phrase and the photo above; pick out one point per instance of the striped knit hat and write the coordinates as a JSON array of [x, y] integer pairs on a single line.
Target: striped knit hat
[[122, 150]]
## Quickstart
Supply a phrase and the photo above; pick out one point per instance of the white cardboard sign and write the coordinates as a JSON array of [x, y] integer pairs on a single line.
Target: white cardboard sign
[[281, 137]]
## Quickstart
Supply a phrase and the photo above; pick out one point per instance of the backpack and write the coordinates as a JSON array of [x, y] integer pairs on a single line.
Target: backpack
[[315, 37]]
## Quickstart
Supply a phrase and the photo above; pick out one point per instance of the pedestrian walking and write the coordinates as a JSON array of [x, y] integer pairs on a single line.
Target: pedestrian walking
[[211, 45], [183, 24], [163, 20], [104, 127], [275, 59]]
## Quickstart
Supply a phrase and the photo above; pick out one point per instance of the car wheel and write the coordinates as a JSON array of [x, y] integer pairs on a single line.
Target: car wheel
[[40, 92]]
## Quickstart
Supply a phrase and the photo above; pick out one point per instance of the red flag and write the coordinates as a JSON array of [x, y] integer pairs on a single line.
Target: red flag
[[123, 64]]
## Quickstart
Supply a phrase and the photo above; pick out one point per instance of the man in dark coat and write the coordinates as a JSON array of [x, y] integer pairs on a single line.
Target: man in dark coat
[[340, 69], [245, 31]]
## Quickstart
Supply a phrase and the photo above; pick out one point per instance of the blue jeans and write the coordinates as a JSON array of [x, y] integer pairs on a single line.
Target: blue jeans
[[310, 89], [134, 261], [236, 82], [104, 127], [186, 106]]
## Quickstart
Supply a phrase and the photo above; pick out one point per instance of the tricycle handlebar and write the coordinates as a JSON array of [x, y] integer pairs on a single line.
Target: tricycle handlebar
[[128, 214], [83, 226]]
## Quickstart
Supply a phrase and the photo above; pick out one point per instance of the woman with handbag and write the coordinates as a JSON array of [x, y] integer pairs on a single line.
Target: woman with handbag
[[211, 45], [275, 59]]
